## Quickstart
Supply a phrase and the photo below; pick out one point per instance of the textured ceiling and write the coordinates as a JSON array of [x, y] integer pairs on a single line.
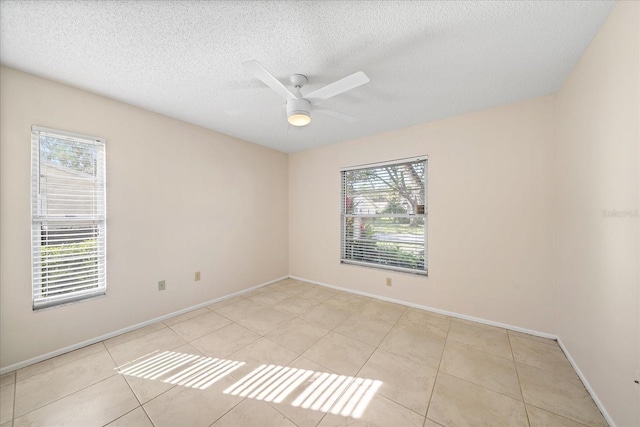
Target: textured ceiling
[[426, 59]]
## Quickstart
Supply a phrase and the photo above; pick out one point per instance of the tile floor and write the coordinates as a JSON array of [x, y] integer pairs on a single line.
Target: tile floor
[[296, 354]]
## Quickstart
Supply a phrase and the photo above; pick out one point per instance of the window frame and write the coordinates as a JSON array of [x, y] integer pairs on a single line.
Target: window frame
[[75, 224], [344, 259]]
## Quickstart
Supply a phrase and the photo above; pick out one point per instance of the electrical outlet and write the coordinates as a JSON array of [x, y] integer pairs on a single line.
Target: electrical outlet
[[197, 277], [389, 281], [162, 285]]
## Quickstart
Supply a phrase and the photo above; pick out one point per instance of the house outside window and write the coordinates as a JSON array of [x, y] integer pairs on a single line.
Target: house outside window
[[68, 216], [384, 215]]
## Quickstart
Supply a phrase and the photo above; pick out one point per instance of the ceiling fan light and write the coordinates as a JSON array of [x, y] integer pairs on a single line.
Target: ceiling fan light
[[299, 118]]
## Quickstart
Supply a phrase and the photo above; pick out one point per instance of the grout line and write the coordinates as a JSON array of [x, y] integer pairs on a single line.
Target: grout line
[[558, 415], [15, 392], [435, 380], [62, 364], [63, 397], [124, 378], [230, 409], [515, 366], [147, 414], [123, 415]]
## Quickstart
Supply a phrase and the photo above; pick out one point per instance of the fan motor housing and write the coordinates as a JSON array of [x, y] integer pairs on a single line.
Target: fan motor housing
[[298, 106]]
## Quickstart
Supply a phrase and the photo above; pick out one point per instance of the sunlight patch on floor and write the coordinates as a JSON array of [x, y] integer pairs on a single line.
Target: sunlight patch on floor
[[302, 388], [187, 370], [318, 391]]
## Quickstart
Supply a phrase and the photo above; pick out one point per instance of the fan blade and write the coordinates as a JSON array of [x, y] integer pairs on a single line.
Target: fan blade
[[336, 88], [267, 78], [335, 114]]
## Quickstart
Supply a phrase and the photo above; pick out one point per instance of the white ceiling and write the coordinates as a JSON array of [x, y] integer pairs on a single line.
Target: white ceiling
[[427, 60]]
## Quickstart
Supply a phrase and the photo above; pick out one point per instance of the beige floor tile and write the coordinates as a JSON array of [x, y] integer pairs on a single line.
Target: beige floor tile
[[542, 355], [430, 423], [8, 378], [532, 337], [325, 316], [7, 424], [363, 329], [146, 389], [295, 305], [347, 302], [302, 362], [561, 395], [261, 352], [403, 381], [54, 362], [270, 297], [541, 418], [382, 310], [135, 418], [186, 316], [265, 320], [160, 340], [381, 412], [225, 341], [96, 405], [239, 310], [184, 406], [318, 294], [253, 413], [199, 326], [43, 388], [480, 368], [481, 337], [284, 404], [6, 403], [456, 402], [297, 335], [151, 382], [416, 343], [136, 333], [434, 322], [293, 288], [341, 354]]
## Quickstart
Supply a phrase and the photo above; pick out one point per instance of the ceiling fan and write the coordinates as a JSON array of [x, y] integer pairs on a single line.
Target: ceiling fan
[[298, 105]]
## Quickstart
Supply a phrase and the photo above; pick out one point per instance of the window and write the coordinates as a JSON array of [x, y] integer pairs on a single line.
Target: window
[[384, 215], [68, 224]]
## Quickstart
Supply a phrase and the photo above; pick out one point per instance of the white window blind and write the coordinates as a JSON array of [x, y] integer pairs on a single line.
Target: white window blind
[[384, 215], [68, 217]]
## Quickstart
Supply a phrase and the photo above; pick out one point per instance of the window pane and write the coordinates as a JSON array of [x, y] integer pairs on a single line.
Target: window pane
[[384, 216], [68, 218]]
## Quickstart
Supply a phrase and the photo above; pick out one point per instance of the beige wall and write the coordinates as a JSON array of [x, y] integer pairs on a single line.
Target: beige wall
[[599, 119], [491, 202], [180, 199]]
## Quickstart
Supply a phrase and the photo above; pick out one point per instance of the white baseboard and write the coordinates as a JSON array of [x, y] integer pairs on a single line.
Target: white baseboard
[[593, 394], [67, 349], [434, 310]]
